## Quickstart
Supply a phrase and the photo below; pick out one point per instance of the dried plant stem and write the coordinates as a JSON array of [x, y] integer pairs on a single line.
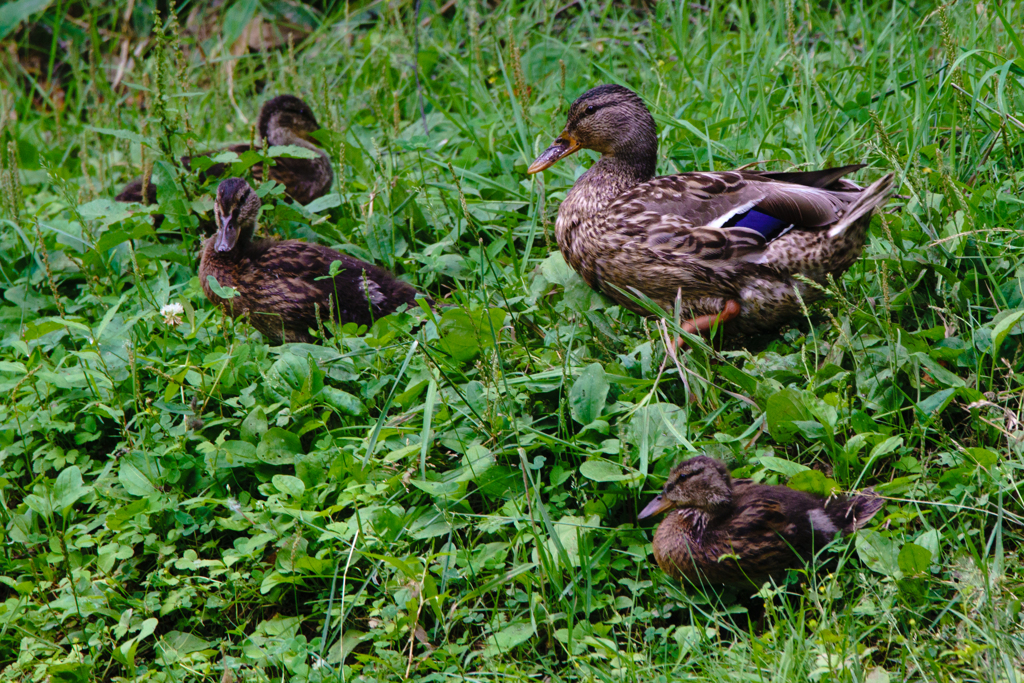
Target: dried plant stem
[[522, 91], [416, 65], [473, 19], [46, 267]]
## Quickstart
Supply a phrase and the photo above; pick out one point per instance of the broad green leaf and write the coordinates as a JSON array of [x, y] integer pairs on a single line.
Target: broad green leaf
[[913, 559], [222, 292], [40, 328], [231, 454], [983, 456], [885, 448], [148, 628], [176, 643], [69, 488], [507, 638], [812, 481], [556, 270], [69, 672], [477, 460], [288, 373], [133, 480], [328, 201], [275, 578], [812, 430], [278, 447], [432, 524], [934, 405], [105, 210], [655, 429], [690, 637], [342, 401], [39, 504], [958, 476], [588, 394], [1002, 329], [118, 516], [344, 647], [254, 426], [112, 238], [291, 152], [940, 374], [877, 552], [465, 333], [289, 485], [440, 489], [570, 530], [312, 468], [929, 540], [784, 408], [784, 467], [460, 338], [602, 470], [877, 675]]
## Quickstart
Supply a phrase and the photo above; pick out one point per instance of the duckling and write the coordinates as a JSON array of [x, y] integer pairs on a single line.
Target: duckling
[[280, 284], [284, 120], [725, 531], [729, 245]]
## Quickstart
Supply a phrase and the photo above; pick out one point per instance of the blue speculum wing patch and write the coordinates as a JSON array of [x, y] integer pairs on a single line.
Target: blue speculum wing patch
[[769, 226]]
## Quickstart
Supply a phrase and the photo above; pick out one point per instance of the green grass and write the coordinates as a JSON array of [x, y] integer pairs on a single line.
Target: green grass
[[458, 501]]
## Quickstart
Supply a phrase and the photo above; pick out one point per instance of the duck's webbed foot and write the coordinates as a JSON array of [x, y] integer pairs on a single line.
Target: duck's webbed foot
[[705, 323]]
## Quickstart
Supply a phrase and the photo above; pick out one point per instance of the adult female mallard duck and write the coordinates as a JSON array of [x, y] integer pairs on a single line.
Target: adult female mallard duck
[[736, 532], [281, 284], [284, 120], [728, 245]]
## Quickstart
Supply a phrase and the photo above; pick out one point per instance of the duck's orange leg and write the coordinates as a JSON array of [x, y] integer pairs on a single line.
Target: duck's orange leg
[[705, 323]]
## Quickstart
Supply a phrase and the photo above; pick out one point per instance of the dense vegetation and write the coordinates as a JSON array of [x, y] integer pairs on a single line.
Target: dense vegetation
[[457, 499]]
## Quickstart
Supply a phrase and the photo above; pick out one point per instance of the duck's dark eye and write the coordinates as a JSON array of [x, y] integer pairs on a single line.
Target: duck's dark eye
[[683, 476], [589, 110]]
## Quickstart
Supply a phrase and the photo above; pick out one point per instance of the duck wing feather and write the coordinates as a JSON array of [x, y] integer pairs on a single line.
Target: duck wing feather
[[771, 529], [827, 178], [360, 291], [686, 215]]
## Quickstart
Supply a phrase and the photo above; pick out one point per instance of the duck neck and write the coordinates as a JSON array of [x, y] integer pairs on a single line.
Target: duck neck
[[612, 175], [609, 177], [245, 238], [701, 520]]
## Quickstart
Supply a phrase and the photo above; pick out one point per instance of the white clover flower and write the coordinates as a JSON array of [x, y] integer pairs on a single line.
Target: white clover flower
[[172, 314]]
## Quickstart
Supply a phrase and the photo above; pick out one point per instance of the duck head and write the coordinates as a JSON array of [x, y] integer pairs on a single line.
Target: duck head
[[235, 210], [702, 483], [285, 116], [608, 119]]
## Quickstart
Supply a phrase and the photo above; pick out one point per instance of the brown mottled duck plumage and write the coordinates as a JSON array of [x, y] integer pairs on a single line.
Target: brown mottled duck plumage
[[728, 244], [277, 282], [721, 530], [284, 120]]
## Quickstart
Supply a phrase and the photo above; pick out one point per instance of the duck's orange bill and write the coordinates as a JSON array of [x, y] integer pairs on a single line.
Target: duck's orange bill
[[562, 147], [655, 507]]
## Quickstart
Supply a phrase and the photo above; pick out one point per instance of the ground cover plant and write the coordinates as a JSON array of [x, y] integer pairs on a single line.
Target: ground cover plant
[[453, 496]]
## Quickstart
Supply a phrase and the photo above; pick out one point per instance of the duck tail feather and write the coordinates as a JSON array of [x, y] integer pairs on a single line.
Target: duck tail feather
[[826, 178], [861, 508], [873, 196]]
